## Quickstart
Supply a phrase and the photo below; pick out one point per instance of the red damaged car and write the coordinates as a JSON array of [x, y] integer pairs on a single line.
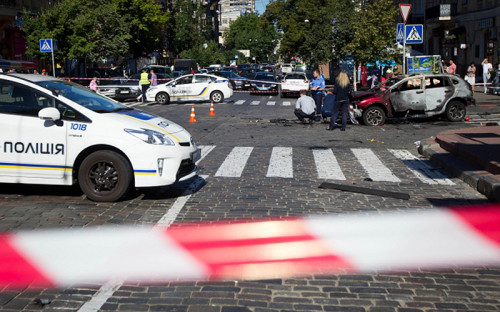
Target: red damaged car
[[421, 95]]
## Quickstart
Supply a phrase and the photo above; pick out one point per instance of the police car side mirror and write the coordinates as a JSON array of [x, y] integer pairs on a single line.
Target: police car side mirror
[[49, 113]]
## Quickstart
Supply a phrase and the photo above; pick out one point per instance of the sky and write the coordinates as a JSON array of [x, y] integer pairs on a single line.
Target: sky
[[260, 5]]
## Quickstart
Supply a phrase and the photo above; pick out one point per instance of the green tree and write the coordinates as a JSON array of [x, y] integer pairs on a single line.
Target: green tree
[[250, 32], [204, 54], [148, 23], [314, 30], [187, 28], [374, 40]]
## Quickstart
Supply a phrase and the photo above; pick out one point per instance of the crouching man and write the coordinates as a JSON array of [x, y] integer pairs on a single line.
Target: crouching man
[[305, 107]]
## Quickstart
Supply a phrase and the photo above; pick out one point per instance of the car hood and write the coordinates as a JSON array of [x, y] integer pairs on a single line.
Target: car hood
[[136, 119], [365, 94]]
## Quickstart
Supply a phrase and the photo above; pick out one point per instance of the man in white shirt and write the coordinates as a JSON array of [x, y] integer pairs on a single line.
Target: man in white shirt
[[487, 67], [305, 107]]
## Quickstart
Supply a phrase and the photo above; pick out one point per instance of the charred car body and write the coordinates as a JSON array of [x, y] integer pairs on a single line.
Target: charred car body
[[422, 95]]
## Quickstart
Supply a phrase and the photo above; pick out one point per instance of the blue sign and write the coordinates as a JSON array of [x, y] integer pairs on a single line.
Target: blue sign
[[400, 32], [48, 45], [414, 34]]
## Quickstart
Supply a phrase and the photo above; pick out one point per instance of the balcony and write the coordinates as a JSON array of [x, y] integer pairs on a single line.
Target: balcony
[[442, 12]]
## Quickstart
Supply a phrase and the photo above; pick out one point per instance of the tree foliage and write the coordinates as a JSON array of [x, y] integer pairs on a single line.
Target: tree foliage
[[96, 29], [312, 29], [374, 32], [187, 29], [205, 56], [251, 32]]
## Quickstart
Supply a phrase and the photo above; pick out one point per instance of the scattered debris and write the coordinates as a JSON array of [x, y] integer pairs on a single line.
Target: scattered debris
[[416, 143], [364, 190], [368, 179], [42, 301]]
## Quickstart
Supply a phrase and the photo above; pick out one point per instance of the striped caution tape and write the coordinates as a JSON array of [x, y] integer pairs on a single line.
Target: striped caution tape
[[433, 238]]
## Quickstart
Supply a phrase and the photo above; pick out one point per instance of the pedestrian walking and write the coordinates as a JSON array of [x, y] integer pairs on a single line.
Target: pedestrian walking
[[487, 68], [305, 107], [317, 88], [154, 78], [471, 75], [342, 91], [144, 82], [452, 69], [93, 84]]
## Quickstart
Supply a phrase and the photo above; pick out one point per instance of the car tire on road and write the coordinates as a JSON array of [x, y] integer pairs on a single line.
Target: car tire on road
[[105, 176], [162, 98], [374, 116], [216, 96], [455, 111]]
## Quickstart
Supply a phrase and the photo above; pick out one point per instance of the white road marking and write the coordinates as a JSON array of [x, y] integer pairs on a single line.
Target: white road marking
[[373, 166], [234, 163], [270, 97], [327, 165], [106, 291], [287, 103], [240, 102], [271, 103], [281, 163], [255, 103], [423, 171], [205, 149]]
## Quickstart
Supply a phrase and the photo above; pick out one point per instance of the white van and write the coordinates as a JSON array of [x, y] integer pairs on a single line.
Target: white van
[[56, 132]]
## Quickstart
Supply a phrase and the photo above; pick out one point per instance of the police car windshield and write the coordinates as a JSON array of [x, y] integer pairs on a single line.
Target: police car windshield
[[82, 96]]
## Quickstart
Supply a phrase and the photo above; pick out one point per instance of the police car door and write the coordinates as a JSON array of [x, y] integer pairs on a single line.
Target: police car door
[[30, 147], [201, 86], [183, 88]]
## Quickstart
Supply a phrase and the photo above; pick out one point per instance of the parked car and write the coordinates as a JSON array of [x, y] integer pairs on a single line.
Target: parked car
[[293, 83], [158, 69], [249, 72], [56, 132], [238, 82], [230, 68], [128, 89], [191, 87], [264, 81], [422, 95], [286, 68]]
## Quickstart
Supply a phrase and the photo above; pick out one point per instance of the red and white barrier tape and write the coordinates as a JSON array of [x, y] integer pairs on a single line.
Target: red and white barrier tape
[[434, 238]]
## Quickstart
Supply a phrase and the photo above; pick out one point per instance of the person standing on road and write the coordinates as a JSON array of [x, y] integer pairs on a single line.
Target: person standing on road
[[93, 84], [342, 90], [144, 82], [305, 107], [487, 68], [154, 78], [471, 75], [452, 69], [317, 88]]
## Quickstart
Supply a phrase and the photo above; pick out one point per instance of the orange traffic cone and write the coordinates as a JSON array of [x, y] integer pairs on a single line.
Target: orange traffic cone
[[193, 116], [212, 111]]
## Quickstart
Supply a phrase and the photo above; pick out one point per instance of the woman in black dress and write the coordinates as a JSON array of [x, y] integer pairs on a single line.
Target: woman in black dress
[[342, 90]]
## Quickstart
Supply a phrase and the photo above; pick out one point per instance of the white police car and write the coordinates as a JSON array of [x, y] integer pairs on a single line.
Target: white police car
[[57, 132], [191, 87]]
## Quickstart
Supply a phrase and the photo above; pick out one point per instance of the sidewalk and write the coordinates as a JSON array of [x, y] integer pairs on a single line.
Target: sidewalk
[[471, 154]]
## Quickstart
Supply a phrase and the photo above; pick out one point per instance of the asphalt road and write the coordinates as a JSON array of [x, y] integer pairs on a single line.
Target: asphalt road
[[256, 187]]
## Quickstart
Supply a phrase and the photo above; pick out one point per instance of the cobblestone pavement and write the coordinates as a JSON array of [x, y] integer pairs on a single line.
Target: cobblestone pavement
[[255, 195]]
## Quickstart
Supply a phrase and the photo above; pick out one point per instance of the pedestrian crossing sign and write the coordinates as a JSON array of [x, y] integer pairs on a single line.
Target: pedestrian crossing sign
[[414, 34], [400, 36], [46, 45]]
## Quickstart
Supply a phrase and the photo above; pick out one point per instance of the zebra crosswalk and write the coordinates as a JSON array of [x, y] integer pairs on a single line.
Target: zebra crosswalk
[[330, 164]]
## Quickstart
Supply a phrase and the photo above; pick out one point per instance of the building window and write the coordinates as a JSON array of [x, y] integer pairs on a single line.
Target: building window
[[476, 52], [224, 21]]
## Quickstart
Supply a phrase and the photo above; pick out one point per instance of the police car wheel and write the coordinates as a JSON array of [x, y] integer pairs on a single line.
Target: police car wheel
[[216, 96], [162, 98], [105, 176]]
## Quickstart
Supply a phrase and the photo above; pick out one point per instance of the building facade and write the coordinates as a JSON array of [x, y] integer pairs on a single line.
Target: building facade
[[463, 30], [12, 41], [230, 10]]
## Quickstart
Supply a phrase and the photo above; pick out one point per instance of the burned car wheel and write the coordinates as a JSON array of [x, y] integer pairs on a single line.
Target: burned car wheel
[[456, 111], [373, 116]]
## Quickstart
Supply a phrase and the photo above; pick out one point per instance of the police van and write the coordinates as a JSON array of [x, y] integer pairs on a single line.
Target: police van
[[56, 132]]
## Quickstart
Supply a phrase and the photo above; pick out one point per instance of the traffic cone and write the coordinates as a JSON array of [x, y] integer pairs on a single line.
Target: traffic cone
[[193, 116], [212, 111]]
